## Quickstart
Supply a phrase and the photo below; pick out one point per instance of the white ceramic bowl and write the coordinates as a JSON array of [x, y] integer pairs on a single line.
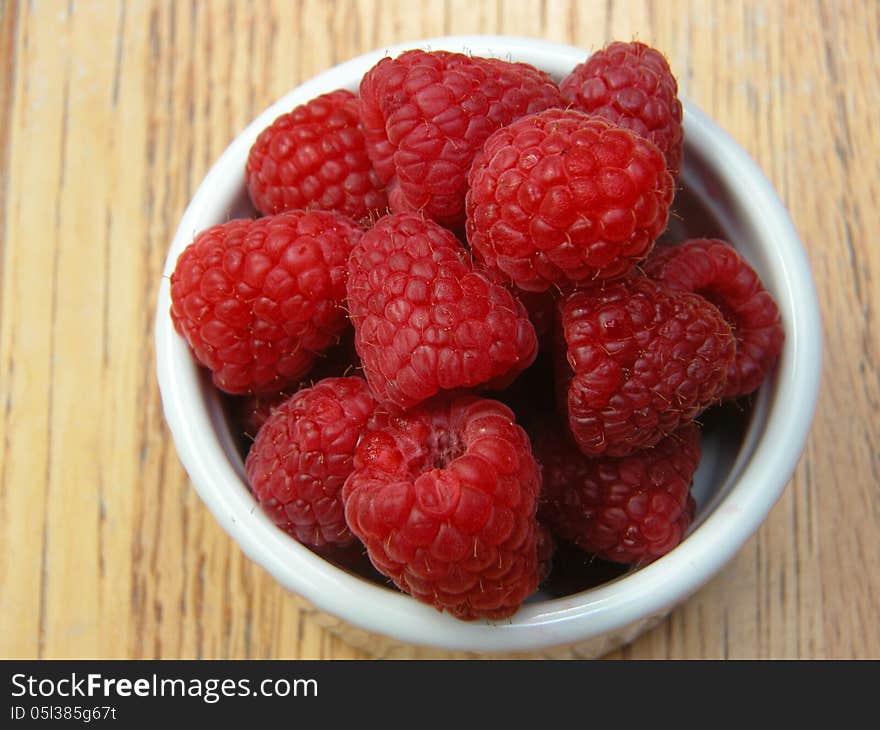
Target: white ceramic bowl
[[744, 470]]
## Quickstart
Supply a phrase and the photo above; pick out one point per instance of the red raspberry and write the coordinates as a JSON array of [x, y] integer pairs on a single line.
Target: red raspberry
[[302, 456], [257, 300], [715, 271], [559, 196], [315, 157], [426, 114], [630, 509], [631, 85], [425, 320], [444, 498], [646, 359]]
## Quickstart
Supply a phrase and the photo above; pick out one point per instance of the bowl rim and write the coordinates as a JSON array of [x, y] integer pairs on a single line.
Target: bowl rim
[[649, 591]]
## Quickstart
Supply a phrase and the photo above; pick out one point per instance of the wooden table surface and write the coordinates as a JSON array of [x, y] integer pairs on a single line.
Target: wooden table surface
[[111, 113]]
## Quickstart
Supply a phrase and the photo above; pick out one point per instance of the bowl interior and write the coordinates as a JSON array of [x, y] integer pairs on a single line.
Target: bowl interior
[[714, 201]]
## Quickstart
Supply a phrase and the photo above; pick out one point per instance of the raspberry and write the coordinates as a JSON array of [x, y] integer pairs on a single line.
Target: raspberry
[[631, 85], [559, 196], [315, 157], [630, 509], [443, 497], [715, 271], [426, 114], [425, 320], [257, 300], [646, 359], [302, 456]]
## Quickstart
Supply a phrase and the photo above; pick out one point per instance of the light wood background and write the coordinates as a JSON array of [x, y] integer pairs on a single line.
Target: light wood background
[[111, 113]]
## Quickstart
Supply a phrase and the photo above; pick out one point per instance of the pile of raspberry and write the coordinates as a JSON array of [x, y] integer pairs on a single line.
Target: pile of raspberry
[[449, 339]]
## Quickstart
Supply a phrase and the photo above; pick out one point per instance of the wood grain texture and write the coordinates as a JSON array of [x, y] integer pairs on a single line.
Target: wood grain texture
[[111, 113]]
